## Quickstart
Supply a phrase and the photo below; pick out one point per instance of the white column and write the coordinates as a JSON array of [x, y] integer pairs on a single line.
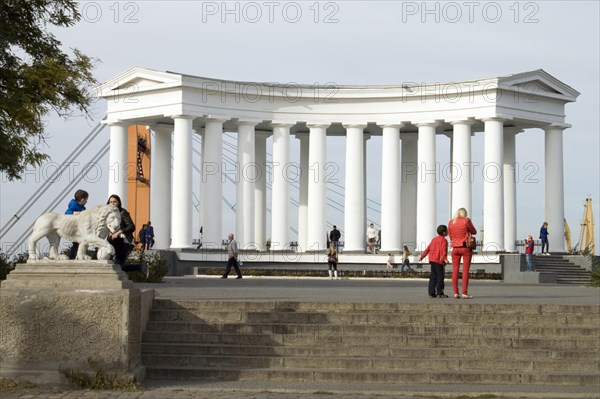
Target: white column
[[260, 191], [354, 203], [280, 202], [181, 222], [452, 174], [366, 137], [212, 183], [160, 186], [390, 190], [117, 180], [408, 191], [493, 185], [426, 185], [554, 211], [247, 173], [510, 189], [202, 183], [317, 189], [461, 167], [303, 197]]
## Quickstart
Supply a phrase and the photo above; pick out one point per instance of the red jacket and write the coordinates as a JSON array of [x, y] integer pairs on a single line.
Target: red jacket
[[529, 247], [458, 231], [437, 250]]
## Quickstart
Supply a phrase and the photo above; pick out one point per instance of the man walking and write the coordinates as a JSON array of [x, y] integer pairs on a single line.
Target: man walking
[[232, 253]]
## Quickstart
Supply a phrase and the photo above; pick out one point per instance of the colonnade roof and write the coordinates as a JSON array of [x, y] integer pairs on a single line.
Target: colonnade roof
[[527, 99]]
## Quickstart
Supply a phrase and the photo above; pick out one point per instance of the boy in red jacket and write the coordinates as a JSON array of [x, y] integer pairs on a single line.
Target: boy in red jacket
[[438, 257]]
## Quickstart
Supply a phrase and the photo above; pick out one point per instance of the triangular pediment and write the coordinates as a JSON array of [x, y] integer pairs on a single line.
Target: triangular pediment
[[139, 82], [138, 78], [535, 86], [538, 82]]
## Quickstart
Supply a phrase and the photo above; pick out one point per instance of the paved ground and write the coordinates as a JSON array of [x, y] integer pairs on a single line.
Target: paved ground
[[345, 290], [406, 290], [198, 392]]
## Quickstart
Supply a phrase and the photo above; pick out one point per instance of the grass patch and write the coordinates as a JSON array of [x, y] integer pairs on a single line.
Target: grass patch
[[100, 380], [8, 384]]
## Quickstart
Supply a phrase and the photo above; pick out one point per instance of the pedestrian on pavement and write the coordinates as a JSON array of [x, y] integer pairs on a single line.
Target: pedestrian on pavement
[[544, 237], [390, 262], [405, 261], [232, 253], [371, 237], [334, 238], [332, 261], [529, 252], [149, 235], [142, 237], [437, 251], [460, 229]]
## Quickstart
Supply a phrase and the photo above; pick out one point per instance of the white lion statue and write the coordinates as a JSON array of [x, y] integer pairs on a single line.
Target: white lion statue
[[91, 226]]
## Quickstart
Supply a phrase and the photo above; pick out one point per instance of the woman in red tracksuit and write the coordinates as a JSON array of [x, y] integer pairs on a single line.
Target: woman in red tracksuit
[[459, 228], [438, 256]]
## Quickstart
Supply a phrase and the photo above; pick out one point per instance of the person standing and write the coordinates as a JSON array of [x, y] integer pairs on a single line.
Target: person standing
[[332, 261], [529, 253], [406, 261], [459, 229], [232, 254], [544, 237], [142, 237], [334, 237], [122, 239], [149, 235], [75, 207], [371, 237], [438, 257]]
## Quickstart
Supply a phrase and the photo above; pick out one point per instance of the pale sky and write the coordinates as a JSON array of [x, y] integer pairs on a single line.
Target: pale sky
[[345, 42]]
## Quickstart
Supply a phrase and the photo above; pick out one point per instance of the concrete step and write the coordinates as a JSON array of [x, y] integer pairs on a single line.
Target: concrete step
[[559, 269], [566, 272], [574, 280], [415, 340], [407, 376], [516, 318], [364, 363], [322, 331], [450, 307], [384, 343], [153, 348]]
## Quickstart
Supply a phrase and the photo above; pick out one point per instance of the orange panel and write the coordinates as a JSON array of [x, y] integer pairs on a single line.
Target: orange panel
[[138, 180]]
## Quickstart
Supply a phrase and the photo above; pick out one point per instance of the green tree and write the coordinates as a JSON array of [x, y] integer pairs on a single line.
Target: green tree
[[37, 78]]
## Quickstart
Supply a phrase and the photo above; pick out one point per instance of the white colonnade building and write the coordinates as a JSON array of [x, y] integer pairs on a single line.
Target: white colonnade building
[[409, 117]]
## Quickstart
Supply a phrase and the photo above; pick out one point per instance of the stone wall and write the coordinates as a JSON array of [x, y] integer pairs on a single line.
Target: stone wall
[[57, 315]]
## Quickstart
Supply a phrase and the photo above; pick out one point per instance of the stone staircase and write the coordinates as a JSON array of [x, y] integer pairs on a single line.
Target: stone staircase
[[448, 342], [566, 272]]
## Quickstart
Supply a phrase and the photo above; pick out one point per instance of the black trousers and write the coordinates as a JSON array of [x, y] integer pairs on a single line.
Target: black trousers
[[73, 250], [545, 244], [232, 262], [122, 250], [436, 279]]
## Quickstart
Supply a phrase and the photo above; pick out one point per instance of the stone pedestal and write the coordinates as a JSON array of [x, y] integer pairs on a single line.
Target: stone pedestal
[[514, 271], [64, 314]]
